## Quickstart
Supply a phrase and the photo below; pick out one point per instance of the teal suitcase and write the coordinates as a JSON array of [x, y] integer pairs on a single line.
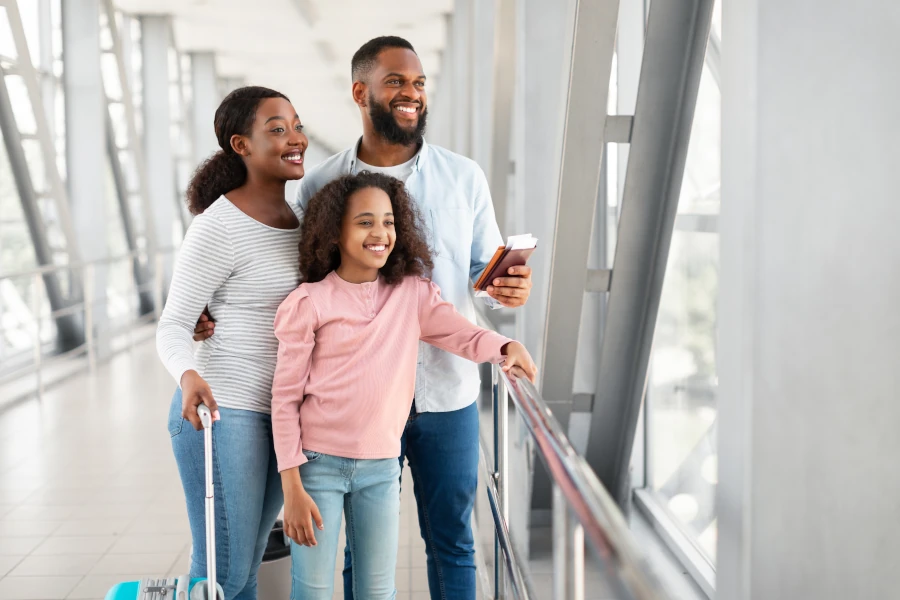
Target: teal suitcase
[[182, 588]]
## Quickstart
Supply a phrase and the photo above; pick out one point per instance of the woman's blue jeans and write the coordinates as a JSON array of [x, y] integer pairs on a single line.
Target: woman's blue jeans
[[247, 493]]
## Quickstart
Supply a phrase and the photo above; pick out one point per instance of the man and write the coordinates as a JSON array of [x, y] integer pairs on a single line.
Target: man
[[441, 438]]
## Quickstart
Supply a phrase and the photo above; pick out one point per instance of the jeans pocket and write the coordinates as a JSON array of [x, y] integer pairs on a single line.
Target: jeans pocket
[[176, 421], [311, 455]]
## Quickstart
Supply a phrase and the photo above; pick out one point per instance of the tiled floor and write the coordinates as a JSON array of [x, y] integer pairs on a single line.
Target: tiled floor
[[89, 492], [90, 496]]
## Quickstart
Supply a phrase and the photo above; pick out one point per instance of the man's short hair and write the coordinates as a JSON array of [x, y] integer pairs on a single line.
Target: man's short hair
[[367, 55]]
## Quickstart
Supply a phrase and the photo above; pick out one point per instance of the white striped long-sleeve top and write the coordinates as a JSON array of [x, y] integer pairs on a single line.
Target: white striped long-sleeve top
[[242, 270]]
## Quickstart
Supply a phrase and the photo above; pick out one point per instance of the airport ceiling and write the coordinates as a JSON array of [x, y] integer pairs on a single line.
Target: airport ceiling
[[303, 47]]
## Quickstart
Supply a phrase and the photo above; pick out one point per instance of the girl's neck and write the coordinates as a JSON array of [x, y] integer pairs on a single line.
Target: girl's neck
[[352, 274]]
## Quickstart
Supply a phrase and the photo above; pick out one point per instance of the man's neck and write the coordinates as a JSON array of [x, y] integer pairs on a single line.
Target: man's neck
[[375, 151]]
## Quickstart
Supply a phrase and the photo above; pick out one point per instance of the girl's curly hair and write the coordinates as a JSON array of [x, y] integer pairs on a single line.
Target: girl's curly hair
[[322, 222]]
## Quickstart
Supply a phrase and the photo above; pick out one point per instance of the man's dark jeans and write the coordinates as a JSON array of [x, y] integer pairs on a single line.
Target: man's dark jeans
[[442, 450]]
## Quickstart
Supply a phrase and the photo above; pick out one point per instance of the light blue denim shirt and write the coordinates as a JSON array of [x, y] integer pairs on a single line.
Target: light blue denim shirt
[[452, 194]]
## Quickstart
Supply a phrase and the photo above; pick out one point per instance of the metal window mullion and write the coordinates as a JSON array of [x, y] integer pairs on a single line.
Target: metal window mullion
[[70, 333], [29, 75], [674, 51], [134, 143], [582, 154], [504, 89]]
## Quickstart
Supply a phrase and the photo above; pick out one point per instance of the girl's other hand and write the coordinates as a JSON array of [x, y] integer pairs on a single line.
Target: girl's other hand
[[300, 511], [519, 362], [194, 392]]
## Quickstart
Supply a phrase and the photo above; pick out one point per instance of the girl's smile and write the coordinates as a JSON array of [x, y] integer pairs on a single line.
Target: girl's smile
[[367, 235]]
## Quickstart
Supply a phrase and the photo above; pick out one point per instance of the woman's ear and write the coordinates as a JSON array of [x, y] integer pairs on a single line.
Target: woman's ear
[[240, 144]]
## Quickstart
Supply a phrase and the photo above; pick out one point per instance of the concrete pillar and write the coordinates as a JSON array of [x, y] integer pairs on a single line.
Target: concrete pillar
[[809, 325], [85, 109], [206, 100], [542, 86], [481, 77], [461, 90], [158, 155]]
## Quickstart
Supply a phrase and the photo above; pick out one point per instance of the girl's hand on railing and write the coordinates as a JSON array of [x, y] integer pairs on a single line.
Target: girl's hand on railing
[[518, 362], [195, 391]]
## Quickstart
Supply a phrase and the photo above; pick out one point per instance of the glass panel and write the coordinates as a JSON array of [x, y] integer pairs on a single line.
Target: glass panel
[[120, 129], [110, 69], [16, 251], [717, 20], [681, 394], [31, 24], [21, 104], [680, 407], [115, 233], [7, 43], [702, 174], [35, 159]]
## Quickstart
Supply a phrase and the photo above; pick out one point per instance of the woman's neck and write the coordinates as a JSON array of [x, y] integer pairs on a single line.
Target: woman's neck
[[264, 200]]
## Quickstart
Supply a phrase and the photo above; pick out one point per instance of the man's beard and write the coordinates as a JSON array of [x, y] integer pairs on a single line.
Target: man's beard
[[386, 125]]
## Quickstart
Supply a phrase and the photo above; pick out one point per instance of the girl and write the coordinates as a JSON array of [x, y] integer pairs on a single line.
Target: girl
[[239, 258], [345, 377]]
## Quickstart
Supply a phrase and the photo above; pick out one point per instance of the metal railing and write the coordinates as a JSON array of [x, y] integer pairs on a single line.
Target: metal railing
[[582, 508], [110, 314]]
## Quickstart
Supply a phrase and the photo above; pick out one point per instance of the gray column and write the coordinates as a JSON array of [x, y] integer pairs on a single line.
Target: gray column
[[809, 337], [158, 156], [543, 54], [481, 77], [543, 43], [205, 102], [86, 120], [462, 73]]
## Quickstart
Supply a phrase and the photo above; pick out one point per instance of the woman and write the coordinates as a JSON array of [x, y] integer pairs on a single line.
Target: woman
[[239, 258]]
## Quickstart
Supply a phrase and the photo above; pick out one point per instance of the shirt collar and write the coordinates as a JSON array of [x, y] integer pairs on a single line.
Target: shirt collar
[[353, 151]]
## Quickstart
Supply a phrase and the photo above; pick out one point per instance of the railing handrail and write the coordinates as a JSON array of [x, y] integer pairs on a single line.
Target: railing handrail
[[45, 269], [595, 509]]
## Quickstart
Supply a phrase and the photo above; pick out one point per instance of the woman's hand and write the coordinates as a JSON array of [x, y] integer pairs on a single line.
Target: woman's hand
[[194, 392], [300, 510], [518, 362]]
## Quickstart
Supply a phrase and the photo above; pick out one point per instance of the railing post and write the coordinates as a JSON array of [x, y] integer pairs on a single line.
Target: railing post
[[37, 286], [576, 541], [568, 551], [499, 475], [87, 285], [159, 275], [561, 583], [134, 295]]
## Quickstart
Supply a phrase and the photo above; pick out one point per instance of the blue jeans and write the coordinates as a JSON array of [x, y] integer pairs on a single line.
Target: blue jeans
[[367, 492], [442, 450], [247, 493]]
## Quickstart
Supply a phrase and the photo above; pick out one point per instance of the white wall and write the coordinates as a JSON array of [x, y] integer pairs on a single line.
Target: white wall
[[809, 493]]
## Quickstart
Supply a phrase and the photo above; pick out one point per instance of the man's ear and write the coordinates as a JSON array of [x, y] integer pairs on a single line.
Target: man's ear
[[360, 93], [240, 144]]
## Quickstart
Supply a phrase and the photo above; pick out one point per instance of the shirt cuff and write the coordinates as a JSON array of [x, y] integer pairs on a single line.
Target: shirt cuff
[[292, 462]]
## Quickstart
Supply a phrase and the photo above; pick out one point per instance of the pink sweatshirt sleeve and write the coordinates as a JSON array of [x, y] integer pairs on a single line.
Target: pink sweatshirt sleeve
[[443, 327], [295, 328]]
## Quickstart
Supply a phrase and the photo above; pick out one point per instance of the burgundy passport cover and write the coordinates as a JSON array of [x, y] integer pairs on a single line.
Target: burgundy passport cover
[[498, 267]]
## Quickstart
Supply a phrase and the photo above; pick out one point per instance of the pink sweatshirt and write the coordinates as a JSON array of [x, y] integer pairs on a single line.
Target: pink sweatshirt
[[345, 378]]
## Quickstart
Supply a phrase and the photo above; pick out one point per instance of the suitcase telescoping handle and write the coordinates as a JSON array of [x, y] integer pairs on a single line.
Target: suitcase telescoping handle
[[207, 421]]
